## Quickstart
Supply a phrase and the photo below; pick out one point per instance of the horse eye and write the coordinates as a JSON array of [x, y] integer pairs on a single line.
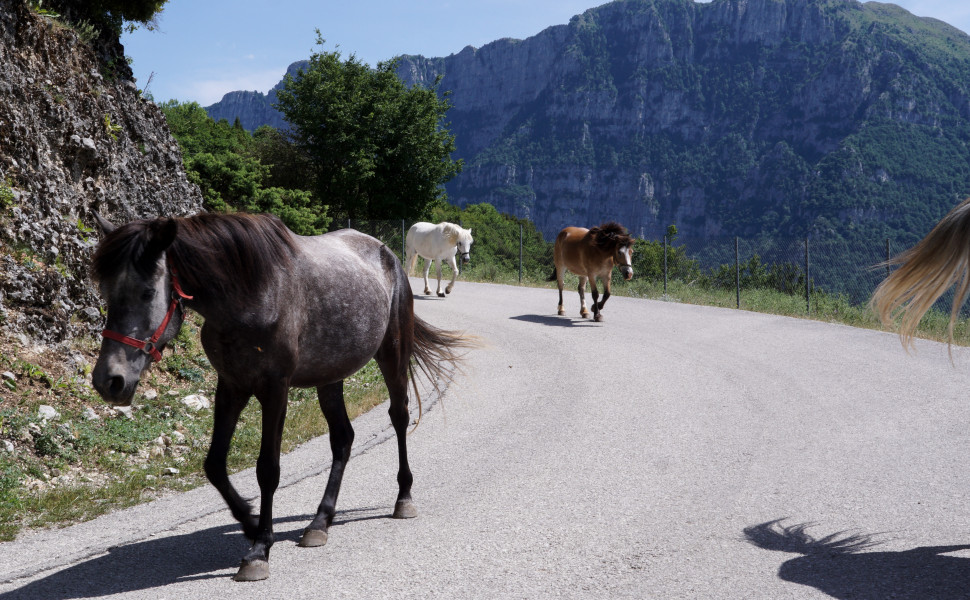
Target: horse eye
[[148, 295]]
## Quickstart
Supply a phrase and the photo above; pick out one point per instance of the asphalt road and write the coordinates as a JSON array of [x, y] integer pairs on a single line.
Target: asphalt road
[[623, 459]]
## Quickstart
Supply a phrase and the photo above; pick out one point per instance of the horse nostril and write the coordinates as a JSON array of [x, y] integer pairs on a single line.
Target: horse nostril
[[115, 387]]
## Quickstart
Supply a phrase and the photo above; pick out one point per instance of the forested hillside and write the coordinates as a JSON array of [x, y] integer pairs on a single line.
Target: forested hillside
[[777, 117]]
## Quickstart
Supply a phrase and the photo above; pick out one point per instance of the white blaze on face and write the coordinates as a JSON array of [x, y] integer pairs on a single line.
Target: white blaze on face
[[626, 266]]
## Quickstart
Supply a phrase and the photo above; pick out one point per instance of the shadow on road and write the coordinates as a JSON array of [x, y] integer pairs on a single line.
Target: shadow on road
[[155, 563], [837, 565], [556, 321]]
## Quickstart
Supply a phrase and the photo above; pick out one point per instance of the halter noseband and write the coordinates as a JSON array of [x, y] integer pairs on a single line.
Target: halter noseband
[[149, 346]]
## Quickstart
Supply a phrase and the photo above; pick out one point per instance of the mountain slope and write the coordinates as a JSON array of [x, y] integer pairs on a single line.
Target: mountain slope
[[734, 117]]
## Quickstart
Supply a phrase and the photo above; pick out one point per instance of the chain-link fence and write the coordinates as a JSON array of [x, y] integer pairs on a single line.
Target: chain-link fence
[[826, 276]]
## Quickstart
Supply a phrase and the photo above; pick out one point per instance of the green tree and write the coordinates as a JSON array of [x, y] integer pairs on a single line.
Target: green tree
[[379, 150], [227, 164], [111, 13]]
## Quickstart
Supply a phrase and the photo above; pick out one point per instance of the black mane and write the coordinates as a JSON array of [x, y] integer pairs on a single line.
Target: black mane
[[610, 236], [228, 256]]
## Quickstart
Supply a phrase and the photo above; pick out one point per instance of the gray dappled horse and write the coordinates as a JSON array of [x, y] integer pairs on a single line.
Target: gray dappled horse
[[281, 311]]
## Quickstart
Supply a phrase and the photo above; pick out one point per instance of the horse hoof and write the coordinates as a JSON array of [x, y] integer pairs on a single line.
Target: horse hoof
[[441, 294], [562, 311], [598, 317], [404, 509], [256, 570], [313, 538], [447, 290], [427, 292], [584, 314]]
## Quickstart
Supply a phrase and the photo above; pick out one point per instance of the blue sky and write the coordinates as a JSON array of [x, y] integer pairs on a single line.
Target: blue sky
[[201, 50]]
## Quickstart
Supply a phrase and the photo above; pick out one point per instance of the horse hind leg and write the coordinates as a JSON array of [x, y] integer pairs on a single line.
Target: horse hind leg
[[393, 359], [560, 275], [331, 399]]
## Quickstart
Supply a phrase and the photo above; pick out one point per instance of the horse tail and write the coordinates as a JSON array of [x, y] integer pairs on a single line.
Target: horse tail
[[438, 355], [555, 274], [412, 260], [926, 271], [411, 255]]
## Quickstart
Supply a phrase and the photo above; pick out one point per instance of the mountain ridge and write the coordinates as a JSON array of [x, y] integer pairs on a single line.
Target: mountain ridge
[[734, 117]]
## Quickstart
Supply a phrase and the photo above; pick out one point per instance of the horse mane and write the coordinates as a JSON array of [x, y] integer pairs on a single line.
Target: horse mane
[[224, 256], [610, 236], [454, 232]]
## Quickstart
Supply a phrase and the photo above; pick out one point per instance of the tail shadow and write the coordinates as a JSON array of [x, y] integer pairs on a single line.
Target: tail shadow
[[842, 566]]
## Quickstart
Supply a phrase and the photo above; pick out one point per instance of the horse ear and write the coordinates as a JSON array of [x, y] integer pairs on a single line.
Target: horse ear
[[103, 224], [160, 233]]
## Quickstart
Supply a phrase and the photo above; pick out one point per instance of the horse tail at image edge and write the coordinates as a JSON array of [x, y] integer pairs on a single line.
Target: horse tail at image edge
[[926, 271]]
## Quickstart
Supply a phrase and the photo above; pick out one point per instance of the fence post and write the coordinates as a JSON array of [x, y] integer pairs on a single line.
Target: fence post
[[887, 257], [808, 300], [737, 272], [520, 252], [665, 267], [404, 246], [348, 224]]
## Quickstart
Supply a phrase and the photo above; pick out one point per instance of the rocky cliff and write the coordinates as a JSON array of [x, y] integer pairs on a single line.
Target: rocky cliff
[[729, 118], [253, 109], [75, 136]]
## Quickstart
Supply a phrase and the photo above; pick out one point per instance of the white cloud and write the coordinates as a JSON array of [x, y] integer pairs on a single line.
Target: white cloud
[[210, 91]]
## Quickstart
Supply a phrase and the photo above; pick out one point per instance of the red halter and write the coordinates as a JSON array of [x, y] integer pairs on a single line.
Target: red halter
[[148, 346]]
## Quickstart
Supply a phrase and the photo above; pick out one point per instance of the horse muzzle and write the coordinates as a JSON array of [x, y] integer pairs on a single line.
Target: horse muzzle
[[115, 384], [627, 272], [466, 258]]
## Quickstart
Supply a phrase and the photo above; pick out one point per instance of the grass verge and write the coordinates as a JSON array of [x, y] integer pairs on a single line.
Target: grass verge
[[90, 459]]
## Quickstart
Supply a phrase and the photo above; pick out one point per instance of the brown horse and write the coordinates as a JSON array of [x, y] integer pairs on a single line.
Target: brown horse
[[926, 271], [592, 253], [281, 311]]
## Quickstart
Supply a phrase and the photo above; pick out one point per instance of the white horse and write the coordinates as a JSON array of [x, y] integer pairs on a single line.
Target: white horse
[[437, 243]]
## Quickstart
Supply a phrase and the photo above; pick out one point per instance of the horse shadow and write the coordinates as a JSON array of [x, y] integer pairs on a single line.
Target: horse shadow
[[556, 321], [155, 563], [838, 566]]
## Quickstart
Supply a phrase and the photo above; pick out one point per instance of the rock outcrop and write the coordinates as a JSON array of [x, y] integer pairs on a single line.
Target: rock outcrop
[[75, 136]]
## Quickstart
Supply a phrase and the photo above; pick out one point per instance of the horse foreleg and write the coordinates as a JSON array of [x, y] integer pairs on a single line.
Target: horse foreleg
[[606, 293], [597, 316], [583, 311], [427, 269], [228, 406], [439, 262], [255, 565], [454, 274], [341, 439]]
